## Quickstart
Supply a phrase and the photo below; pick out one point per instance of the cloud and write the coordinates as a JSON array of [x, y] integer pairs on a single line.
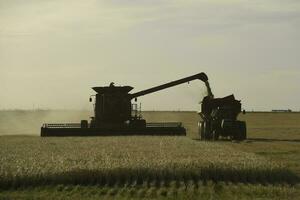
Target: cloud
[[64, 18]]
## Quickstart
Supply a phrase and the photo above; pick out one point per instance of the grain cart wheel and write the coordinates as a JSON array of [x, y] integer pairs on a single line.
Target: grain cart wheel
[[207, 131], [201, 130], [215, 135]]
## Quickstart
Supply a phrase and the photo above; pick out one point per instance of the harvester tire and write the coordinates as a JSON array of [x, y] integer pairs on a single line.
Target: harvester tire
[[242, 130], [84, 124]]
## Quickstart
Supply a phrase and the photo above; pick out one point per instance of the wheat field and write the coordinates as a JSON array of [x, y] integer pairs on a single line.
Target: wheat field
[[266, 164], [110, 160]]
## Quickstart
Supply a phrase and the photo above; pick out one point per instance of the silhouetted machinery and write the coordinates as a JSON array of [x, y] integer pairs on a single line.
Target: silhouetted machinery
[[114, 114], [219, 119]]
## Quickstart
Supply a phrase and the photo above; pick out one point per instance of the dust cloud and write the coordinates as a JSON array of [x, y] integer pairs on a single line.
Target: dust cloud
[[25, 122]]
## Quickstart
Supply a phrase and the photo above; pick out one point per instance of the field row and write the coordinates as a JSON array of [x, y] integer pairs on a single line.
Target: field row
[[178, 190], [130, 177]]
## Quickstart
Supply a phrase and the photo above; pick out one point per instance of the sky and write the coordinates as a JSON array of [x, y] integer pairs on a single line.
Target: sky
[[52, 52]]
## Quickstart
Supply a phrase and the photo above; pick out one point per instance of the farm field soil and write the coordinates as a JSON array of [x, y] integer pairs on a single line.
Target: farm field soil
[[265, 166]]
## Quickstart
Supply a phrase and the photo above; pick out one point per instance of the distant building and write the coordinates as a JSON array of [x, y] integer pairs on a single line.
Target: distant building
[[282, 111]]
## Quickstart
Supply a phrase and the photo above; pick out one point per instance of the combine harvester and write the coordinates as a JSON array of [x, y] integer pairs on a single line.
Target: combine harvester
[[115, 115]]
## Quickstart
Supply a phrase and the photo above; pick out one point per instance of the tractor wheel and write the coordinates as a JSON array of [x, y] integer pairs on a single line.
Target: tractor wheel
[[201, 130], [207, 131], [215, 136]]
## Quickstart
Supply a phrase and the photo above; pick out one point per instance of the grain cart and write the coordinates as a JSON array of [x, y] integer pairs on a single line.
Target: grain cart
[[219, 119], [115, 114]]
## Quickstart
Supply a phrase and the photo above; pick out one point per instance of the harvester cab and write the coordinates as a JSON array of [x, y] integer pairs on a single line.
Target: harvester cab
[[219, 119]]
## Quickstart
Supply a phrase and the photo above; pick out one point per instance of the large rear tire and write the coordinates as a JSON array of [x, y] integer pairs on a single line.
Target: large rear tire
[[243, 130], [201, 130], [207, 131], [215, 135]]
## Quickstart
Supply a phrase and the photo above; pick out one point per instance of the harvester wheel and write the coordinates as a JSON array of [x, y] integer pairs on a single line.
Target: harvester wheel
[[84, 124], [242, 130]]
